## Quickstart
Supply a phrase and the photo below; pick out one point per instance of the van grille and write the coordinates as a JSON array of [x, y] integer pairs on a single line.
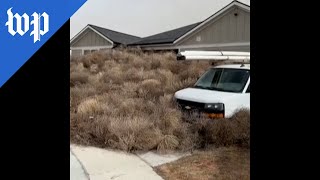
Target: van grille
[[190, 105]]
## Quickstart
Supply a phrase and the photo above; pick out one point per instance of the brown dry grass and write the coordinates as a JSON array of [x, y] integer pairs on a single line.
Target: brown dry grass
[[220, 164], [123, 99], [222, 132]]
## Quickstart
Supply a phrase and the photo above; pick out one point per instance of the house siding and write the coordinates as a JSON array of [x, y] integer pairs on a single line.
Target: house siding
[[227, 28]]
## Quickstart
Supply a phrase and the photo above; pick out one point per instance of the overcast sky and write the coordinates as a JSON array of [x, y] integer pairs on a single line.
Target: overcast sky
[[144, 17]]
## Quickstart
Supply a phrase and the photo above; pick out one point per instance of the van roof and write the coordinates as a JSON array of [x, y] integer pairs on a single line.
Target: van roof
[[234, 66]]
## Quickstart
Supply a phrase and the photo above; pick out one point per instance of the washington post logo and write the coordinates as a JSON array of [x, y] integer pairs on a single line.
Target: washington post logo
[[40, 23]]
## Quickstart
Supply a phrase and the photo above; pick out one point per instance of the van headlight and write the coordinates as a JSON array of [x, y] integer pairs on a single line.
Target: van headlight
[[217, 107], [214, 110]]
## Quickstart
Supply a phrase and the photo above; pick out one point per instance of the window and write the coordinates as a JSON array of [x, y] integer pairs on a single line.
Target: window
[[88, 51], [224, 79], [85, 52]]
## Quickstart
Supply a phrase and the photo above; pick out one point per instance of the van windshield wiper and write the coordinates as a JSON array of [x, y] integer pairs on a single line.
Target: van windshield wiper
[[201, 87], [197, 86], [214, 88], [221, 89]]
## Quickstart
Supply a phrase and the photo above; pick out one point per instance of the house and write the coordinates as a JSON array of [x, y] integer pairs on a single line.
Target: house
[[93, 38], [228, 30]]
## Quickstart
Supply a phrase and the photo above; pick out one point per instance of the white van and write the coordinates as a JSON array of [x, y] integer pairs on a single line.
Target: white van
[[221, 90]]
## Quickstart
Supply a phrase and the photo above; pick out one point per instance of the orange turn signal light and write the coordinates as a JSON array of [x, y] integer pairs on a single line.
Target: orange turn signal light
[[215, 115]]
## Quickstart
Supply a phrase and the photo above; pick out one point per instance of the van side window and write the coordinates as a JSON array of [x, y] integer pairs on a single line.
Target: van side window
[[248, 89]]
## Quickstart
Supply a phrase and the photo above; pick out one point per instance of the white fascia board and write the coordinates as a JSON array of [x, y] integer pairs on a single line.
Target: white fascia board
[[74, 39]]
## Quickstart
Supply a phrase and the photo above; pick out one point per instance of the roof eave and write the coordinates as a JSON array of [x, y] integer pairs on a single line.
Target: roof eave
[[151, 45], [144, 44]]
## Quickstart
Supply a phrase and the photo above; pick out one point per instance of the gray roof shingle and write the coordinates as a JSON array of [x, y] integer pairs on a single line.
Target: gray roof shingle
[[116, 37], [166, 37]]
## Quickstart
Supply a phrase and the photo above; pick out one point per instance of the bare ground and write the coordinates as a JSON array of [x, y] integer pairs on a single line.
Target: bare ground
[[223, 163]]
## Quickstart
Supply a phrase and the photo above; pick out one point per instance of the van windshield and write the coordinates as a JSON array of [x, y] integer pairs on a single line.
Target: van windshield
[[224, 79]]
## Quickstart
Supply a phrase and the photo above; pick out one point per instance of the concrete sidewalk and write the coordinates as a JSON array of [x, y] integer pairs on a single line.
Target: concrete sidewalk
[[103, 164], [76, 170], [154, 159]]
